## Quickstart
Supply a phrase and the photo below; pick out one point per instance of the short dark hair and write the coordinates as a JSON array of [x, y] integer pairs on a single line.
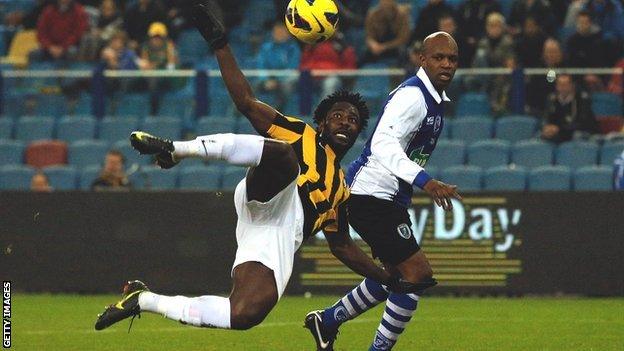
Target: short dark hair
[[115, 152], [343, 96]]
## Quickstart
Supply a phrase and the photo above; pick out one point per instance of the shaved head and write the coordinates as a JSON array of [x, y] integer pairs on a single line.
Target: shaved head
[[438, 38], [439, 59]]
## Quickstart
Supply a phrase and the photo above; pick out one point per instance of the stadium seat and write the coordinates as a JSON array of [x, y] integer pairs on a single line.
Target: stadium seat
[[532, 153], [609, 152], [62, 177], [505, 178], [134, 104], [606, 104], [30, 128], [6, 127], [550, 178], [11, 152], [191, 47], [467, 178], [46, 153], [354, 152], [594, 178], [446, 130], [200, 178], [232, 175], [610, 124], [73, 128], [374, 88], [471, 129], [85, 153], [473, 104], [167, 127], [448, 153], [515, 128], [220, 103], [133, 158], [576, 154], [88, 175], [15, 177], [243, 126], [213, 125], [155, 178], [84, 105], [177, 105], [489, 153], [112, 129]]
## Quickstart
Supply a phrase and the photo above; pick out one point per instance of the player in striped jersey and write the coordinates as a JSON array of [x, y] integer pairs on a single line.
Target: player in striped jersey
[[294, 188]]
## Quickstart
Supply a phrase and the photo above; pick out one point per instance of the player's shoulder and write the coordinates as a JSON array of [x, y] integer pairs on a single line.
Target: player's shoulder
[[409, 95]]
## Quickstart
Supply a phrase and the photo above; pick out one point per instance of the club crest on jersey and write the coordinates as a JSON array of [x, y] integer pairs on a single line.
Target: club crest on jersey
[[438, 124], [404, 231]]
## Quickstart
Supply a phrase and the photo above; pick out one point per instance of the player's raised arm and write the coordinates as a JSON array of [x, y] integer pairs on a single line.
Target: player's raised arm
[[259, 114]]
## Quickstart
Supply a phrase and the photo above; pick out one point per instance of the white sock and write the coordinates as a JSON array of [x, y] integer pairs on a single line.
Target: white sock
[[203, 311], [236, 149]]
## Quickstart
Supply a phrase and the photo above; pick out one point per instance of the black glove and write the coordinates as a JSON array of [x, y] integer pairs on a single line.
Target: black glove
[[399, 285], [207, 22]]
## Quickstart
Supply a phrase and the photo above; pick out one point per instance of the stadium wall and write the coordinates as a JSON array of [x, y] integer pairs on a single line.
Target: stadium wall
[[184, 242]]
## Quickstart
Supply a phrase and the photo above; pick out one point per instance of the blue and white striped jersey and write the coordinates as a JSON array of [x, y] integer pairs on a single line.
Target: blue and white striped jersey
[[403, 139]]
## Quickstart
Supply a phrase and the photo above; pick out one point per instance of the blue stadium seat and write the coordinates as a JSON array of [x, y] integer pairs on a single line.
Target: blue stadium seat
[[594, 178], [489, 153], [31, 128], [85, 153], [448, 153], [550, 178], [15, 177], [607, 104], [232, 175], [6, 127], [609, 152], [467, 178], [515, 128], [446, 130], [112, 129], [220, 101], [11, 152], [200, 178], [167, 127], [532, 153], [374, 88], [178, 105], [575, 154], [155, 178], [213, 125], [243, 126], [354, 152], [133, 158], [84, 105], [62, 177], [133, 104], [473, 104], [471, 129], [87, 176], [73, 128], [191, 47], [504, 178]]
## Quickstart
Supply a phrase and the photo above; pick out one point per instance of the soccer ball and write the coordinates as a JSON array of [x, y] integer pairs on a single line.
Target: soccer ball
[[312, 21]]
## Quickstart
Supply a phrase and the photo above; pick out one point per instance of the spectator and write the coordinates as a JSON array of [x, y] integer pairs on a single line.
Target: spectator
[[117, 55], [159, 52], [568, 112], [497, 46], [108, 23], [615, 83], [332, 54], [447, 24], [538, 87], [59, 30], [499, 91], [112, 176], [428, 18], [179, 16], [471, 17], [40, 183], [138, 18], [413, 59], [585, 46], [609, 16], [530, 43], [281, 52], [618, 173], [28, 20], [387, 32], [574, 8], [353, 13], [538, 9]]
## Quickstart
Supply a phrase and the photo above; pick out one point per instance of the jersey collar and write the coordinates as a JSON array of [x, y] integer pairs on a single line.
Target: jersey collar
[[425, 79]]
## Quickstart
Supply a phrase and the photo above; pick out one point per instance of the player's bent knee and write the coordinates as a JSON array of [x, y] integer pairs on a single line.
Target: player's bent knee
[[283, 157], [246, 316], [417, 273]]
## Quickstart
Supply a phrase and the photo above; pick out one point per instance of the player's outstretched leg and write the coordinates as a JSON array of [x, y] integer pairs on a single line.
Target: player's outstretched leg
[[127, 307], [324, 324]]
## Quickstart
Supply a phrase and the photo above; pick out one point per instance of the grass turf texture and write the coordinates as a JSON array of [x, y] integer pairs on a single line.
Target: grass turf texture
[[65, 322]]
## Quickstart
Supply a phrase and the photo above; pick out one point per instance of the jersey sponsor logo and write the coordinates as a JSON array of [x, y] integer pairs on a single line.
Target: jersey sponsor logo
[[340, 314], [404, 231], [419, 157], [430, 120]]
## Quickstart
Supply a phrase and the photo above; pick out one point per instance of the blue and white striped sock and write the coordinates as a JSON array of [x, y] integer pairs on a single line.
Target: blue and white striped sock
[[398, 312], [364, 297]]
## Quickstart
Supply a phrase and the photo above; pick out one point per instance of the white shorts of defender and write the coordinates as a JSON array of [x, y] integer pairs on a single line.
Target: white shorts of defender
[[269, 232]]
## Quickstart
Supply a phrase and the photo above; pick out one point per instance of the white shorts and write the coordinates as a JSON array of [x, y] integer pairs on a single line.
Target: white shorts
[[269, 232]]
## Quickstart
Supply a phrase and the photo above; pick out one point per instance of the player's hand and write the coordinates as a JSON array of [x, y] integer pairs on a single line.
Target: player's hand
[[208, 24], [401, 286], [441, 193]]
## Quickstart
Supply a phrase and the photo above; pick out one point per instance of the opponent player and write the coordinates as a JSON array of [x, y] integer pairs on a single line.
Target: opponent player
[[381, 182], [293, 189]]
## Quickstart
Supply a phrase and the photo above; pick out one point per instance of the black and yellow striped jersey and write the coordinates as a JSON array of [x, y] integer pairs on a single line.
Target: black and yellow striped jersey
[[321, 183]]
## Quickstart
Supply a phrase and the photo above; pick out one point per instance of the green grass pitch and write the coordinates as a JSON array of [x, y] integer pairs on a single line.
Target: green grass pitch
[[65, 322]]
